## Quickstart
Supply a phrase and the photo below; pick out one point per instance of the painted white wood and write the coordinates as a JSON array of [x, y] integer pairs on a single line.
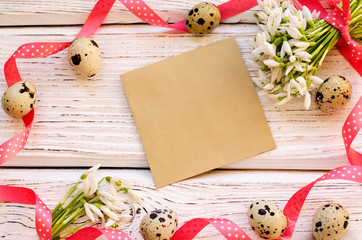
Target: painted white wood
[[226, 194], [80, 122]]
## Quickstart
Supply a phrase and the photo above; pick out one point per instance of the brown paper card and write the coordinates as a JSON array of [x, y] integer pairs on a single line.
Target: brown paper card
[[196, 111]]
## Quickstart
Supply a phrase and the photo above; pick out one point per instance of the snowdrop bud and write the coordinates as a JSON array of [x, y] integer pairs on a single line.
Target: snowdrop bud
[[269, 49], [262, 16], [304, 56], [93, 169], [294, 21], [294, 32], [307, 14], [287, 48], [259, 39], [307, 100], [269, 86], [89, 212], [272, 63], [315, 14], [301, 44], [292, 59], [109, 213], [316, 80], [276, 24]]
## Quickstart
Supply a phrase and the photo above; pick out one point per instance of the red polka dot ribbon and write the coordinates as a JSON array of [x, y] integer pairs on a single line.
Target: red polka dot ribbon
[[227, 228], [42, 49], [339, 18]]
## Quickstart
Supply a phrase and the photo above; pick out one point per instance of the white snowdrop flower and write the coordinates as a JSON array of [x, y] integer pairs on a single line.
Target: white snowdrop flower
[[260, 39], [269, 86], [262, 16], [257, 52], [294, 21], [304, 56], [293, 83], [298, 67], [302, 82], [307, 14], [109, 223], [292, 59], [88, 212], [294, 33], [109, 213], [275, 73], [301, 44], [267, 10], [93, 169], [107, 195], [286, 47], [316, 80], [292, 9], [254, 64], [269, 49], [276, 24], [301, 49], [307, 100], [269, 24], [315, 14], [277, 12], [90, 209], [271, 63], [90, 186], [95, 210]]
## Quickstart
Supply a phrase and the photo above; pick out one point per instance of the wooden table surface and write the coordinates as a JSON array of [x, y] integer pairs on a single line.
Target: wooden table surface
[[81, 122]]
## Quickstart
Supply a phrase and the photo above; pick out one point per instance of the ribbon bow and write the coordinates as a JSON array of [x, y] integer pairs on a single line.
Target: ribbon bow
[[340, 19]]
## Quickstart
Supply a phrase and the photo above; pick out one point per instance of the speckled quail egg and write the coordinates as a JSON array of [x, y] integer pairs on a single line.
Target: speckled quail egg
[[333, 94], [203, 18], [19, 99], [267, 219], [159, 224], [85, 56], [330, 222]]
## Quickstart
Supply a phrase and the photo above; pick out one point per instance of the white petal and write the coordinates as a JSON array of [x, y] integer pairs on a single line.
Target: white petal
[[276, 24], [307, 14], [271, 63], [316, 80], [93, 185], [269, 49], [269, 86], [109, 213], [307, 100], [96, 210], [109, 223], [294, 33], [294, 21], [89, 212], [93, 169], [86, 187], [302, 44], [287, 48], [107, 195]]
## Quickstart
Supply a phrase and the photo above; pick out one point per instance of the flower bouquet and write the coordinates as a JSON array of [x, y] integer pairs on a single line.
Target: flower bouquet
[[291, 47], [92, 202]]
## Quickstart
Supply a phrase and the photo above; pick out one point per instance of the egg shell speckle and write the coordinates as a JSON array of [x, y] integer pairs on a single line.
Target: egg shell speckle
[[267, 219], [84, 55], [160, 224], [330, 222], [333, 94], [203, 18], [19, 99]]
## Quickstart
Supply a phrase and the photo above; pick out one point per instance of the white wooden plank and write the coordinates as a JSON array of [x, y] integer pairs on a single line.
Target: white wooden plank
[[80, 122], [224, 194]]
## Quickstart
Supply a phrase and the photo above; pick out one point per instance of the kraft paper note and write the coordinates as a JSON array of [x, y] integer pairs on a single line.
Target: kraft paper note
[[197, 111]]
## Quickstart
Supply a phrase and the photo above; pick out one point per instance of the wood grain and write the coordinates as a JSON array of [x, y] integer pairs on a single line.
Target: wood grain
[[224, 194], [80, 122]]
